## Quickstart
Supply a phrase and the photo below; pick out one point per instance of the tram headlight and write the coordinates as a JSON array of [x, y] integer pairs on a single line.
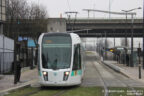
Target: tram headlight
[[66, 74], [45, 75]]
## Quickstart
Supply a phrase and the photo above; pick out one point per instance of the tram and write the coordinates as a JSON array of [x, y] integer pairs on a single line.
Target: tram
[[60, 59]]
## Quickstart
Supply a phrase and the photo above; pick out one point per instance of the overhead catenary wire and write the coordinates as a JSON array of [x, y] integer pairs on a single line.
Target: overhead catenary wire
[[110, 4], [68, 3], [116, 13]]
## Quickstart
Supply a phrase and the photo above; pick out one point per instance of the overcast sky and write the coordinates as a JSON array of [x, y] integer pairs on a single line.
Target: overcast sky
[[57, 7]]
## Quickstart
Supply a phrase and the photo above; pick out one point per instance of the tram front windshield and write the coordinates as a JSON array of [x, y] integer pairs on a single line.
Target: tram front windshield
[[56, 52]]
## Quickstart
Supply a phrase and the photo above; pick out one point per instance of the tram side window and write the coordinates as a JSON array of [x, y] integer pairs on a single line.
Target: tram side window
[[77, 57]]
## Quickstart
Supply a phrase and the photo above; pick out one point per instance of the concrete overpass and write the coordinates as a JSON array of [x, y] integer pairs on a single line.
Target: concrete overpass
[[106, 27]]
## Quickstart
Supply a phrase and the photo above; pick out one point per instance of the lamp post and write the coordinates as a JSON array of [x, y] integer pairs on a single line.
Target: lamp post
[[132, 30], [126, 12]]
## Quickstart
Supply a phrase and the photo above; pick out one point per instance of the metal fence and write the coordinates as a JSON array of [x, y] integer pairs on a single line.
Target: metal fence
[[6, 59], [6, 54]]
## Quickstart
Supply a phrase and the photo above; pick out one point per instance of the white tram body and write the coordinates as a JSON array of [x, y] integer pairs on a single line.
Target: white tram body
[[60, 59]]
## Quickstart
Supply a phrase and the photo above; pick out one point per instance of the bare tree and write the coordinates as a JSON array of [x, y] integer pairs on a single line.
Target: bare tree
[[24, 18], [17, 9], [37, 12], [38, 15]]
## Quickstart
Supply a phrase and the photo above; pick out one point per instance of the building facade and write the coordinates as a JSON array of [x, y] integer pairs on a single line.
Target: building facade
[[6, 44], [56, 25], [2, 14]]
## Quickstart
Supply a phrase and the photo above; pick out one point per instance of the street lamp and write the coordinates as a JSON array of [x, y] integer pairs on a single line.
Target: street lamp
[[132, 30], [126, 12]]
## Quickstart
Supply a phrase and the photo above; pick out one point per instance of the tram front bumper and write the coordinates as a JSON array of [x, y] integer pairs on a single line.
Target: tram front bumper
[[64, 83]]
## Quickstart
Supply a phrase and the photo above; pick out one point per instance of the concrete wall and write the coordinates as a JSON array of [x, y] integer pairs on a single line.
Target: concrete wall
[[56, 25]]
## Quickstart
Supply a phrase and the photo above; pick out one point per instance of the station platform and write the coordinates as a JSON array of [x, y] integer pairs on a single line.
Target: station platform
[[131, 72]]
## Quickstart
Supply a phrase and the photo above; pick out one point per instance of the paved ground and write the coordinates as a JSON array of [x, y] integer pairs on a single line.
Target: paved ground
[[7, 80], [132, 72], [97, 74]]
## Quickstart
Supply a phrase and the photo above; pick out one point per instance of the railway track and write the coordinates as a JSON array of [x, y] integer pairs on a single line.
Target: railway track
[[128, 86], [104, 83], [120, 79], [33, 92], [59, 93]]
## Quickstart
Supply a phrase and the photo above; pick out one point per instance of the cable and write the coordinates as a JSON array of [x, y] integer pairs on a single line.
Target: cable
[[69, 5], [112, 2]]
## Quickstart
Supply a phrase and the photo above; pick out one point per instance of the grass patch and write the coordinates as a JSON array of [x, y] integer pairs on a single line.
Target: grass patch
[[22, 91], [140, 91], [125, 91], [28, 90], [70, 91], [76, 91], [118, 91], [45, 93], [85, 91]]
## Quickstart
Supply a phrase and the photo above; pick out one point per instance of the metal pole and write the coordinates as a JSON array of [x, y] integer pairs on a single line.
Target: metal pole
[[126, 41], [109, 8], [114, 41], [132, 30], [143, 34], [114, 56], [139, 62], [32, 59], [15, 63], [114, 36], [105, 57], [88, 14], [3, 69], [126, 32], [101, 47], [143, 45], [75, 20]]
